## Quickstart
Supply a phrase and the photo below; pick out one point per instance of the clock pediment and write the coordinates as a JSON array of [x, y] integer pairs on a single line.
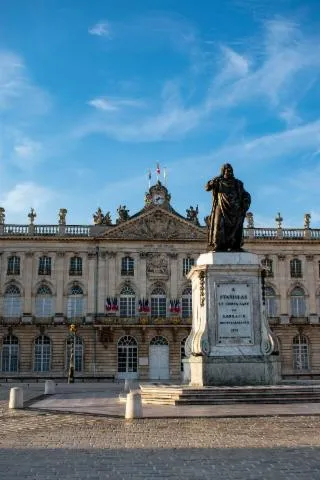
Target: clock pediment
[[157, 224]]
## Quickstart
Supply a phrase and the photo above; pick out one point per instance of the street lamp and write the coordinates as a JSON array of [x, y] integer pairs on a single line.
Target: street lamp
[[72, 330]]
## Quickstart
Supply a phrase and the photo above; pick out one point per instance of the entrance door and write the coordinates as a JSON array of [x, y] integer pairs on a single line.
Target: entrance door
[[159, 359]]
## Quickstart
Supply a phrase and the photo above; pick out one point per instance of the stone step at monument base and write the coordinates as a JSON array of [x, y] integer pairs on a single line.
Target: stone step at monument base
[[281, 394]]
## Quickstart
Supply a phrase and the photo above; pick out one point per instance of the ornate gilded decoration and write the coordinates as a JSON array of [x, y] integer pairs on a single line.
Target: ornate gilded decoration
[[100, 219], [123, 214], [230, 204], [202, 288], [192, 214]]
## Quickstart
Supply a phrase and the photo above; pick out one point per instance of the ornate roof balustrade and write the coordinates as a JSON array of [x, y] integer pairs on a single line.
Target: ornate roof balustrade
[[76, 231]]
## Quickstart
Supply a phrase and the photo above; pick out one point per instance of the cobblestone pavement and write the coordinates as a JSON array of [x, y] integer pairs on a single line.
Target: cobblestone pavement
[[45, 446]]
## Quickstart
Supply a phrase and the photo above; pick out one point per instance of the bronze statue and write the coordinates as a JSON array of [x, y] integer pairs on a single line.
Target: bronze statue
[[229, 207]]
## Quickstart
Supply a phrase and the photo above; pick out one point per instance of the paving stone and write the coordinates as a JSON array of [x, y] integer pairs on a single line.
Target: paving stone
[[65, 446]]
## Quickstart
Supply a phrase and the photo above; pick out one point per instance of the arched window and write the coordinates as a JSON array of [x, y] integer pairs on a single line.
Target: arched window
[[12, 302], [295, 268], [44, 265], [76, 343], [127, 355], [300, 347], [158, 303], [182, 352], [75, 304], [75, 266], [10, 354], [13, 265], [44, 302], [271, 302], [186, 302], [159, 340], [267, 264], [298, 302], [42, 354], [127, 302], [127, 266]]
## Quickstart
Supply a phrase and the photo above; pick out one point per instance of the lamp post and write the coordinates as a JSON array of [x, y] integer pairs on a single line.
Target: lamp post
[[72, 330]]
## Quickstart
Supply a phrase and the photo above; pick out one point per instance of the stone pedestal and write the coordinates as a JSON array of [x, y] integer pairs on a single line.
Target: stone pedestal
[[230, 342]]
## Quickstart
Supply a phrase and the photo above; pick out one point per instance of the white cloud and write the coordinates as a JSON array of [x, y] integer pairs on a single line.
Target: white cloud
[[101, 29], [113, 104], [18, 93], [25, 195], [271, 78], [234, 62], [27, 148], [102, 104], [290, 117]]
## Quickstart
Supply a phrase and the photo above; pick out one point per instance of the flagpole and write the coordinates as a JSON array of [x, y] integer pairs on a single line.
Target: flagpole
[[165, 176], [149, 178]]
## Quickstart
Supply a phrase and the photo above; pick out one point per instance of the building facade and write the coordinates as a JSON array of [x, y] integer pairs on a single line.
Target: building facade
[[124, 287]]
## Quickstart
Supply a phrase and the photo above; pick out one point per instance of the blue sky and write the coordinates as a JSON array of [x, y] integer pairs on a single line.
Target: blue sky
[[93, 94]]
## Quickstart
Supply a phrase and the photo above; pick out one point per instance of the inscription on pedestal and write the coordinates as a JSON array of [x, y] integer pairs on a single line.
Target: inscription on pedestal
[[234, 325]]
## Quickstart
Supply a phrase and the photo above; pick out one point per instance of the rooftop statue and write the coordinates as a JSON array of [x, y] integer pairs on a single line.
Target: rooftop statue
[[229, 207]]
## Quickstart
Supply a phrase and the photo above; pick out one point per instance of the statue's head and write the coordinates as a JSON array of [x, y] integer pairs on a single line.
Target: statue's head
[[227, 170]]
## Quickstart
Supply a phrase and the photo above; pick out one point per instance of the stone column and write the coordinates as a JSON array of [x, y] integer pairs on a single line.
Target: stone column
[[29, 266], [142, 274], [91, 283], [60, 308], [311, 284], [102, 273], [173, 257], [283, 286], [112, 274]]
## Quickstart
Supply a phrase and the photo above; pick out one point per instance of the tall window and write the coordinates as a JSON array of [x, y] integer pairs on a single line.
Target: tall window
[[127, 355], [10, 354], [12, 302], [13, 265], [75, 302], [186, 302], [75, 266], [158, 303], [127, 302], [42, 354], [182, 352], [44, 302], [127, 266], [300, 347], [267, 264], [44, 265], [295, 268], [298, 302], [271, 302], [187, 264], [77, 343]]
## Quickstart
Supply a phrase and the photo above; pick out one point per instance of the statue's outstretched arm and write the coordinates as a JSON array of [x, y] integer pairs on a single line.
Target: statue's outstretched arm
[[212, 184]]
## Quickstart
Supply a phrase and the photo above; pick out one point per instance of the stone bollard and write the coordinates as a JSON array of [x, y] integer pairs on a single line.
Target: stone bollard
[[127, 385], [133, 405], [49, 387], [16, 398]]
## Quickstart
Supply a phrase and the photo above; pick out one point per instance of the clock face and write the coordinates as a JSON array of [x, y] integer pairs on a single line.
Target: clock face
[[158, 199]]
